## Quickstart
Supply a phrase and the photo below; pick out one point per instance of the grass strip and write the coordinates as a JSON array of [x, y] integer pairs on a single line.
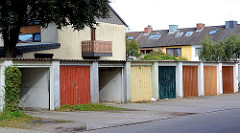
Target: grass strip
[[16, 119], [88, 107]]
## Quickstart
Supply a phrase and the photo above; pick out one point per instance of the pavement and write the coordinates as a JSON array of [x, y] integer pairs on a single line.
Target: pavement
[[138, 113]]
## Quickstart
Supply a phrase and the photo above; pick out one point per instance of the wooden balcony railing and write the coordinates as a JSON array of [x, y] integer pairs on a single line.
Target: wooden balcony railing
[[96, 48]]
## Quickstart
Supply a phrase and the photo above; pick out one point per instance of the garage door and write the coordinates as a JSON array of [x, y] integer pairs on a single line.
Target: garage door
[[190, 81], [75, 85], [141, 83], [167, 82], [210, 80], [227, 79]]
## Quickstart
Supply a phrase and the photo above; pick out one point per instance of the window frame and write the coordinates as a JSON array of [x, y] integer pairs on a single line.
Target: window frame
[[33, 37], [174, 51]]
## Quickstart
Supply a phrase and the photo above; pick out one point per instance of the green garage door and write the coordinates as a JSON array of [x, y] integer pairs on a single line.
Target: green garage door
[[167, 82]]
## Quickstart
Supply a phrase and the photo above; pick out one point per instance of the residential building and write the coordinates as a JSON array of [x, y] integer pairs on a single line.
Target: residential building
[[182, 42], [105, 41]]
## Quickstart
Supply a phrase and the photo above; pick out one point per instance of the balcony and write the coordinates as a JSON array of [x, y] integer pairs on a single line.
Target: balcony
[[94, 49]]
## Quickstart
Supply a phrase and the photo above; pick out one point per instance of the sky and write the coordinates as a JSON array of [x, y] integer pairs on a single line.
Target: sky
[[184, 13]]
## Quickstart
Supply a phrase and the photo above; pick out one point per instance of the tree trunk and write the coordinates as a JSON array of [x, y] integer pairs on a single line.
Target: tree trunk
[[10, 38]]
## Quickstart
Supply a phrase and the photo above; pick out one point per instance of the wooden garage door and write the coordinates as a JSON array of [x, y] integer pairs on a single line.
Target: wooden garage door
[[210, 80], [190, 81], [227, 79], [141, 83], [75, 85], [167, 82]]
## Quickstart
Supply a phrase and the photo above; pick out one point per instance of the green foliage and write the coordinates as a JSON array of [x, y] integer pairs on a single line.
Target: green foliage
[[89, 107], [159, 55], [12, 90], [15, 14], [9, 115], [132, 48], [17, 119], [226, 50]]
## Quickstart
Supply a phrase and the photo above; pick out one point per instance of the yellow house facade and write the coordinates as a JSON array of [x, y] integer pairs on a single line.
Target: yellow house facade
[[186, 51], [71, 41]]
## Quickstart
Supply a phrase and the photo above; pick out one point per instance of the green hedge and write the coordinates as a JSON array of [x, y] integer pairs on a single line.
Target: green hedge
[[12, 89]]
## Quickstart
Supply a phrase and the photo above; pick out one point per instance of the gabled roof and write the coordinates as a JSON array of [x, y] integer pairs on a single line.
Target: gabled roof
[[114, 18], [167, 39]]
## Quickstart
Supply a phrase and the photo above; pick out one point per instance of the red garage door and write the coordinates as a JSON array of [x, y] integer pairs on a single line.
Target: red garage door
[[227, 78], [75, 85]]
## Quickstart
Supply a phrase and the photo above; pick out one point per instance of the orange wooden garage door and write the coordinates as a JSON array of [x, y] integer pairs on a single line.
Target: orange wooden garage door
[[210, 80], [190, 81], [227, 79], [75, 85]]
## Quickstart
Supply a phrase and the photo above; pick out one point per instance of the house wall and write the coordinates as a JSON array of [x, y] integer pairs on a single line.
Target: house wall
[[70, 40], [116, 34], [49, 34], [186, 51], [194, 56]]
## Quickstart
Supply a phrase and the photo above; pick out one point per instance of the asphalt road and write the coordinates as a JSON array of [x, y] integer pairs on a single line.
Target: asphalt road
[[225, 121]]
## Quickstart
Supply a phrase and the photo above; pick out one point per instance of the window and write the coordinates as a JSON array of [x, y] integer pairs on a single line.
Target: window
[[197, 51], [179, 34], [26, 38], [155, 36], [130, 37], [36, 37], [189, 33], [212, 32], [174, 51]]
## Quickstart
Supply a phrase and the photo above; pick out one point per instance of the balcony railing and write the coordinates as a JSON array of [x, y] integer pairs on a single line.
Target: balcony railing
[[96, 48]]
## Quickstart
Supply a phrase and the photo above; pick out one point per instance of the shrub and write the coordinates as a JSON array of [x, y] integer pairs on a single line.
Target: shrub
[[159, 55], [12, 90]]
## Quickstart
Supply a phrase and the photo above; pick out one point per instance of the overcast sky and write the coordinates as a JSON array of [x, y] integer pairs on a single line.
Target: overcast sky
[[184, 13]]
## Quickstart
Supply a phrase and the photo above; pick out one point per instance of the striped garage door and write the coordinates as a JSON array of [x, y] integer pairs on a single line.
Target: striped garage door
[[75, 85], [190, 81], [210, 80], [141, 83]]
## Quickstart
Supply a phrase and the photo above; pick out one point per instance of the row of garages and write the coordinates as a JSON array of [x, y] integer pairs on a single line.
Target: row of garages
[[184, 80], [47, 84]]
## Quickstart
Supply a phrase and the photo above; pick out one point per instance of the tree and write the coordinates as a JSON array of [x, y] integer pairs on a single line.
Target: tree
[[225, 50], [132, 48], [15, 14]]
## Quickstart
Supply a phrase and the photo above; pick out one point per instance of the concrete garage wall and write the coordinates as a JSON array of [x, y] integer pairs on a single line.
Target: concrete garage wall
[[34, 88], [110, 84]]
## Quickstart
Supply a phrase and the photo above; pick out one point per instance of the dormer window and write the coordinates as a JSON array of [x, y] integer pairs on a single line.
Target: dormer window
[[179, 34], [212, 32], [130, 37], [154, 36], [189, 33]]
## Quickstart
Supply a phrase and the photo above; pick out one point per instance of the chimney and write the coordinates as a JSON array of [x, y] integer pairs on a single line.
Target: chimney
[[230, 24], [200, 26], [172, 29], [148, 29]]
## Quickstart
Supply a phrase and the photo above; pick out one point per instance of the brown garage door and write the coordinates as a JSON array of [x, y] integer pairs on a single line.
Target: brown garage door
[[75, 85], [190, 81], [227, 78], [210, 80]]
